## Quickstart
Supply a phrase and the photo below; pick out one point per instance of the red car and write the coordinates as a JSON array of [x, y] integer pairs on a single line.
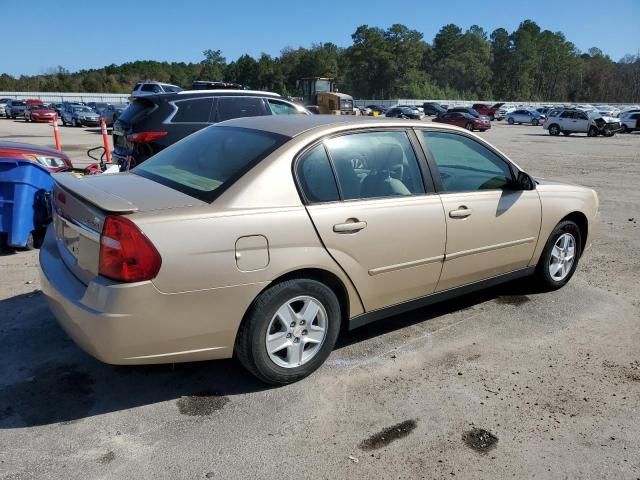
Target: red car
[[54, 160], [38, 113], [464, 120], [487, 110]]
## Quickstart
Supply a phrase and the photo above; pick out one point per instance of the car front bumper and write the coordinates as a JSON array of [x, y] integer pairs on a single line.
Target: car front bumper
[[126, 324]]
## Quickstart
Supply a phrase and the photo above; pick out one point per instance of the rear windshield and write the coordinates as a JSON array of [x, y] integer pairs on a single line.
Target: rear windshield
[[135, 110], [207, 162]]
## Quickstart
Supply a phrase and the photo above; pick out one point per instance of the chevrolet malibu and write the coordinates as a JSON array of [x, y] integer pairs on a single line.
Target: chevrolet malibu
[[263, 237]]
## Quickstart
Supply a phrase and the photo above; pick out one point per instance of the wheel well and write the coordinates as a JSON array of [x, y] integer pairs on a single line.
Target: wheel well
[[580, 219]]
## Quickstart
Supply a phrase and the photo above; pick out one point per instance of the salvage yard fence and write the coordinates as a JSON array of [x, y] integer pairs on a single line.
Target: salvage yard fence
[[124, 97]]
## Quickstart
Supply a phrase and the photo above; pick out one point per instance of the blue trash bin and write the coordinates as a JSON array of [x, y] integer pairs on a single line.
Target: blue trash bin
[[25, 188]]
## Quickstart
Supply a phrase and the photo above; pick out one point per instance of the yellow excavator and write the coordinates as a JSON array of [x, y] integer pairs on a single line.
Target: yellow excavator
[[320, 95]]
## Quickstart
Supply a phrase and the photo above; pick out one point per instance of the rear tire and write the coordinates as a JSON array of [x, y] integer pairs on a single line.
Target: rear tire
[[553, 270], [263, 320]]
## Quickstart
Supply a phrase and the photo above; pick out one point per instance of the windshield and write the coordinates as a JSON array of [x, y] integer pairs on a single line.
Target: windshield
[[17, 104], [82, 109], [593, 114], [206, 163], [39, 107], [171, 88]]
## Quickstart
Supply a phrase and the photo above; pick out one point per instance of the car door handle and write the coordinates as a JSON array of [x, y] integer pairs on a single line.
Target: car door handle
[[352, 225], [461, 212]]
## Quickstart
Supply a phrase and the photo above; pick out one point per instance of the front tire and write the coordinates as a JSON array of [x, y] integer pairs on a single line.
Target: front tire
[[593, 132], [554, 130], [469, 126], [289, 331], [535, 122], [560, 256], [510, 121]]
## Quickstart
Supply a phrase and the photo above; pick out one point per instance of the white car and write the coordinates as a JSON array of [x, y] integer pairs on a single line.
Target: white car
[[572, 120], [607, 110], [631, 122], [151, 88], [3, 104]]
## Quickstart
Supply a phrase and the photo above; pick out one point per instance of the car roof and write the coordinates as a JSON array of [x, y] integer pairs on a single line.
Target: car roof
[[223, 91], [294, 125]]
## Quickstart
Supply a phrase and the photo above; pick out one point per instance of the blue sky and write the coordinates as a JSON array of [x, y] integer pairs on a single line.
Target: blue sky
[[81, 34]]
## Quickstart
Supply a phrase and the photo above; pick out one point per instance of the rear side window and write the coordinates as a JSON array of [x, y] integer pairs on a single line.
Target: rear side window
[[566, 115], [281, 108], [236, 107], [207, 162], [135, 110], [197, 110], [316, 176], [149, 87], [375, 165]]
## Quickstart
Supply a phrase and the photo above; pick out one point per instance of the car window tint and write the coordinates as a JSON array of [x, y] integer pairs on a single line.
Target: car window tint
[[281, 108], [566, 115], [196, 110], [235, 107], [466, 165], [148, 87], [580, 116], [375, 164], [316, 176]]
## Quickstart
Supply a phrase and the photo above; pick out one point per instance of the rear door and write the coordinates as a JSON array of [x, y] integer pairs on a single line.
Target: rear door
[[378, 221], [580, 122], [491, 229]]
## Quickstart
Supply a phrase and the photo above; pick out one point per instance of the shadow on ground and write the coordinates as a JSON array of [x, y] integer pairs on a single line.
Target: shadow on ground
[[45, 378]]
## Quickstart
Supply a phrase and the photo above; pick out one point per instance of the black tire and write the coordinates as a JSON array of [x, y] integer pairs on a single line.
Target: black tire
[[542, 275], [625, 129], [469, 126], [510, 121], [250, 347], [554, 130], [566, 134], [492, 117], [535, 122], [593, 132]]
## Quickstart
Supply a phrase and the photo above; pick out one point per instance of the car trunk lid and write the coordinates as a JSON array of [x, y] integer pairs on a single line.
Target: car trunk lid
[[81, 205]]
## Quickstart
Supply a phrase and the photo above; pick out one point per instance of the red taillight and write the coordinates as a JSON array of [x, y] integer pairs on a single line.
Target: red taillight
[[126, 254], [145, 137]]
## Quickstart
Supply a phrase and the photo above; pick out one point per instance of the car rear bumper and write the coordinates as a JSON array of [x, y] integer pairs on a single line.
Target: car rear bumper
[[136, 323]]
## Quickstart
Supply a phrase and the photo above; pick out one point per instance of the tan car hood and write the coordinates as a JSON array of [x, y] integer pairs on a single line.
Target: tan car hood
[[124, 192]]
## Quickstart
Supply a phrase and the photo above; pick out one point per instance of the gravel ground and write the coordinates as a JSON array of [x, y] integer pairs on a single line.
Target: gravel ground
[[506, 383]]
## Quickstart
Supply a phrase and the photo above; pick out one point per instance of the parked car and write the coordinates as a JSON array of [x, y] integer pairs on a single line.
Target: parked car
[[152, 123], [607, 110], [502, 111], [33, 101], [413, 107], [464, 120], [14, 108], [3, 104], [57, 107], [364, 111], [112, 112], [381, 109], [404, 112], [290, 222], [38, 113], [79, 116], [433, 109], [153, 88], [568, 121], [54, 160], [487, 110], [631, 122], [468, 110], [521, 116], [97, 107], [627, 113]]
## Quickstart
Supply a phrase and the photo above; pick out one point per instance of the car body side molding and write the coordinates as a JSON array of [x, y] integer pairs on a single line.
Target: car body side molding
[[375, 315]]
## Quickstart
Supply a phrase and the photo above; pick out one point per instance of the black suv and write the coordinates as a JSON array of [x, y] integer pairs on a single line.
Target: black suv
[[153, 122]]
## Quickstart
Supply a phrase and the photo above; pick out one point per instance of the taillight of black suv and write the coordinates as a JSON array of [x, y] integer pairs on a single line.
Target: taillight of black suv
[[153, 122]]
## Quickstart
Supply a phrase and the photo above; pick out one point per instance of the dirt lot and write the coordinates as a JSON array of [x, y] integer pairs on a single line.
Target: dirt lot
[[553, 379]]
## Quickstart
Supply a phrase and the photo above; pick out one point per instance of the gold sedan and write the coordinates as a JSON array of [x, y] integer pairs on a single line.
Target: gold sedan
[[261, 237]]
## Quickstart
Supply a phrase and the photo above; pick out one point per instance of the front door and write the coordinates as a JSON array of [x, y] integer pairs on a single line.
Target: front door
[[491, 228], [378, 221]]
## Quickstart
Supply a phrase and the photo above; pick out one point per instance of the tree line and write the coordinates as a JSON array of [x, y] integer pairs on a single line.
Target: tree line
[[528, 64]]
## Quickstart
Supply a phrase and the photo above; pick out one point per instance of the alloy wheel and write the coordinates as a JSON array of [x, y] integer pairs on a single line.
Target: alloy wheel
[[562, 257], [296, 332]]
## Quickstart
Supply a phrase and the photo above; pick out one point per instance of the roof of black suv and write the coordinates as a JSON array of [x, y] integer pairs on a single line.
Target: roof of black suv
[[225, 91]]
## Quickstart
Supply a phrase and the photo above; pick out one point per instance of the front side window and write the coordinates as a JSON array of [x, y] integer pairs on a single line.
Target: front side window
[[375, 165], [316, 176], [205, 163], [466, 165], [193, 111], [236, 107], [566, 115]]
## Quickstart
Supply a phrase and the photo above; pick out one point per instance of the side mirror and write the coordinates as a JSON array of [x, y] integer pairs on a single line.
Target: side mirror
[[524, 182]]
